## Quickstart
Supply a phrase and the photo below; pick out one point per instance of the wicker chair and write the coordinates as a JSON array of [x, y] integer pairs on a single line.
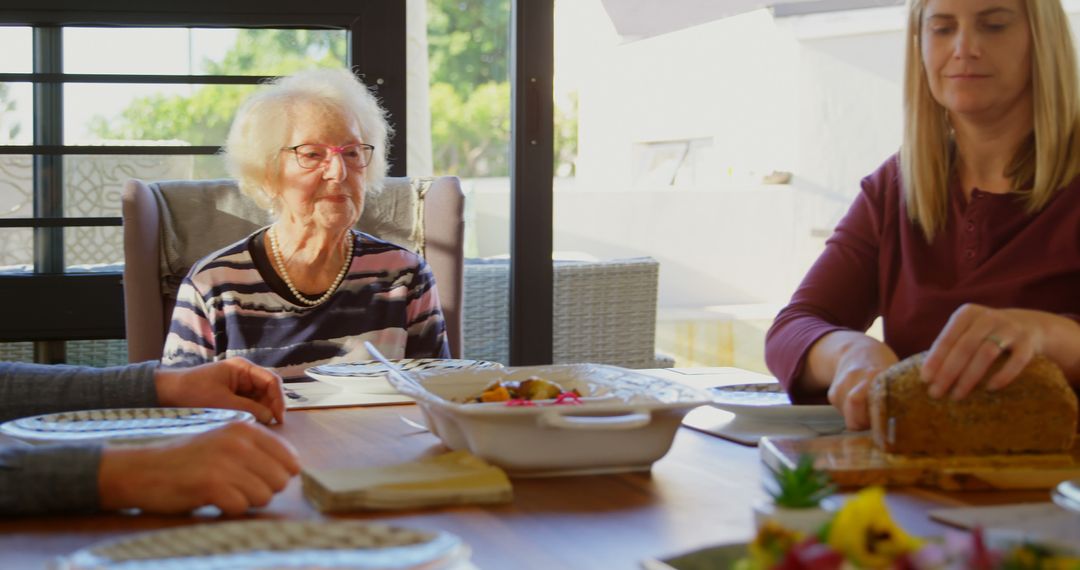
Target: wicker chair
[[604, 312]]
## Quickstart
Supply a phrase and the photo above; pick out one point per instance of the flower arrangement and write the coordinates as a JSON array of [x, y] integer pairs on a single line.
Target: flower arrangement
[[862, 534]]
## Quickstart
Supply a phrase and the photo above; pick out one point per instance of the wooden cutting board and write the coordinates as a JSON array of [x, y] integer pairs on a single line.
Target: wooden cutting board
[[853, 461]]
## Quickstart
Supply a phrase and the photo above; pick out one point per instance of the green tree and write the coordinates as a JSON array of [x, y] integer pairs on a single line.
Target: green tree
[[280, 52], [469, 52], [203, 118], [9, 125], [470, 91], [470, 134], [565, 137], [469, 42]]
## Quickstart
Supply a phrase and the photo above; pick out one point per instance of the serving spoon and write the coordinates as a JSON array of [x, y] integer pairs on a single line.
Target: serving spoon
[[394, 370]]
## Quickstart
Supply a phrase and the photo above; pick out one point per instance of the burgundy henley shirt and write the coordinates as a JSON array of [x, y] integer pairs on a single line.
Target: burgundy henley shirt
[[878, 263]]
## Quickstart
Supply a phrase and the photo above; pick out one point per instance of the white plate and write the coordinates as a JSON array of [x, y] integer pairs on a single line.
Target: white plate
[[120, 425], [275, 544], [369, 376], [768, 401], [1067, 495]]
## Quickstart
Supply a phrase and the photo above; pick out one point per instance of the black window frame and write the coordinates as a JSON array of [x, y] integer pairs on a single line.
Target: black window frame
[[532, 71], [376, 49]]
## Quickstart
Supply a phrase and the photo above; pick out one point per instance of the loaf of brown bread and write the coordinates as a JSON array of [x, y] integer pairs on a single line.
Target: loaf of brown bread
[[1036, 413]]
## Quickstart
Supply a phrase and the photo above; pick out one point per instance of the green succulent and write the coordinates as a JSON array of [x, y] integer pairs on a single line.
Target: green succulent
[[800, 487]]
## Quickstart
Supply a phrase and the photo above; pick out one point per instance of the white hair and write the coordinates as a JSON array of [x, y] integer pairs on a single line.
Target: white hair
[[265, 120]]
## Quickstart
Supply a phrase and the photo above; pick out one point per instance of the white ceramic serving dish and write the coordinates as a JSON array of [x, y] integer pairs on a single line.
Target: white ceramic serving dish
[[625, 422], [369, 376]]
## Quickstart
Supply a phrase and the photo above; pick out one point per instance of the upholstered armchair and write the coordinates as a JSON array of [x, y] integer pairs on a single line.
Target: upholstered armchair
[[170, 225]]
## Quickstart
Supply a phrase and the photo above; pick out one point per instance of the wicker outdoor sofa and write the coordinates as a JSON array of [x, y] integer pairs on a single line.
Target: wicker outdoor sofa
[[604, 312]]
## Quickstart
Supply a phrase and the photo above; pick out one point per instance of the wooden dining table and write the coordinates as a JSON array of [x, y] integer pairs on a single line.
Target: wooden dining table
[[700, 494]]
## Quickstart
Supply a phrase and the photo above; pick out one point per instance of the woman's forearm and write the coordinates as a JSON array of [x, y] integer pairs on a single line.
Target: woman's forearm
[[825, 355]]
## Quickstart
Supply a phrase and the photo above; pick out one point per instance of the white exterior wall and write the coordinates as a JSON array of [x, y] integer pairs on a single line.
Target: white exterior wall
[[819, 96], [691, 84]]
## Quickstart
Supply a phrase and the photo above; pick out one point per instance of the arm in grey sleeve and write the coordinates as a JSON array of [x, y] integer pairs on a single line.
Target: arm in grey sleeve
[[49, 479], [31, 389]]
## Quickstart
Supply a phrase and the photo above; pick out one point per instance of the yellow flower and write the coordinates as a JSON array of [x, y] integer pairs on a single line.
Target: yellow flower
[[770, 545], [865, 534]]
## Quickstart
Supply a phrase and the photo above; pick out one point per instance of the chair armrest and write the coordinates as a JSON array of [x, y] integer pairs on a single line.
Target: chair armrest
[[144, 317], [444, 250]]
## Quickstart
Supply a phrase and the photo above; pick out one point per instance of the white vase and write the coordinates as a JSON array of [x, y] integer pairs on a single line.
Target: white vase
[[807, 520]]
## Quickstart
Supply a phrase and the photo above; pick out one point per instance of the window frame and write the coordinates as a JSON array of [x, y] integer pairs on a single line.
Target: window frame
[[376, 48], [532, 71]]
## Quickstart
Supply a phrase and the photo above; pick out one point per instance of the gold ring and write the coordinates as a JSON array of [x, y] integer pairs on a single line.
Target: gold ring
[[1001, 344]]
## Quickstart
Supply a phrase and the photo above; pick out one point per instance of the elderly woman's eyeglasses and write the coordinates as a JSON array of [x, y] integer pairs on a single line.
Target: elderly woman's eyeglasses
[[316, 155]]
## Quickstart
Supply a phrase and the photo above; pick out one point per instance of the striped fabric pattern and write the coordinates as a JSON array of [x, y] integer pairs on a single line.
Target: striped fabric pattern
[[225, 307]]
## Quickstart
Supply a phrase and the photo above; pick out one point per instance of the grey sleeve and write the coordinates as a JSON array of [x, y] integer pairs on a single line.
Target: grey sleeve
[[64, 478], [31, 389], [36, 480]]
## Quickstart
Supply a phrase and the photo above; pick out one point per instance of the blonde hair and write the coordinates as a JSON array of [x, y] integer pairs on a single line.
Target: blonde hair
[[265, 120], [1046, 161]]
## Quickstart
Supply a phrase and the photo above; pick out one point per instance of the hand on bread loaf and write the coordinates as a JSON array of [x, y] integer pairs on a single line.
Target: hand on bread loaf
[[974, 337], [850, 388]]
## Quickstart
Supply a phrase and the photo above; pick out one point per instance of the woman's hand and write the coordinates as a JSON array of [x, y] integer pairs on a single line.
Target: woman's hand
[[973, 339], [233, 383], [234, 468], [850, 388]]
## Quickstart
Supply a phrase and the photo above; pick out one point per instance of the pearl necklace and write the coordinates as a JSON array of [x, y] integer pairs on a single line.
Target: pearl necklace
[[288, 282]]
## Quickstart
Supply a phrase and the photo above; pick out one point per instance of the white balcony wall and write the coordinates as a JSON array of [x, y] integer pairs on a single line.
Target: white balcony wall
[[686, 230], [804, 95], [850, 106], [819, 96], [732, 81]]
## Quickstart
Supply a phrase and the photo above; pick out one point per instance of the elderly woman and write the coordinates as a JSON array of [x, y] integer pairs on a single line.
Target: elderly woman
[[968, 242], [308, 289]]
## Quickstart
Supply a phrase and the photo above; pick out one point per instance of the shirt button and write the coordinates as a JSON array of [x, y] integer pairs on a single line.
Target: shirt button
[[969, 254], [971, 227]]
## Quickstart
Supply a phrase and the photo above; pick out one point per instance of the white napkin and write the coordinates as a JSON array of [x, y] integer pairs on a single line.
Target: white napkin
[[315, 394], [454, 478]]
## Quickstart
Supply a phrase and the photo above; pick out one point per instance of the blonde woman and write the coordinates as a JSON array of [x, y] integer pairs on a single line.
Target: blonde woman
[[308, 289], [967, 243]]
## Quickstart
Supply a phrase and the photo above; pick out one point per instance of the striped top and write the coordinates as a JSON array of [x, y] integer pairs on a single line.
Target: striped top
[[232, 303]]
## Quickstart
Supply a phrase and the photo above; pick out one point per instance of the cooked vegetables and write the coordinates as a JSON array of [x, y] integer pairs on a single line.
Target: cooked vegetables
[[532, 388]]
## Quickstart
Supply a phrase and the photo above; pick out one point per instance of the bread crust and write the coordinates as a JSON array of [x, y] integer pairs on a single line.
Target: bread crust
[[1036, 413]]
